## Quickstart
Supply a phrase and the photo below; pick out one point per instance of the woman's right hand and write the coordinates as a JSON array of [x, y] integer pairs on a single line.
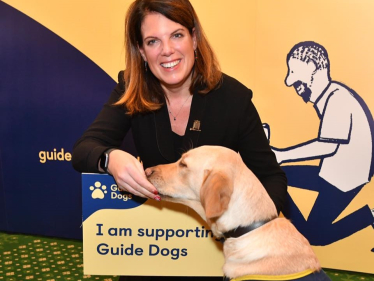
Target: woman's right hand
[[129, 175]]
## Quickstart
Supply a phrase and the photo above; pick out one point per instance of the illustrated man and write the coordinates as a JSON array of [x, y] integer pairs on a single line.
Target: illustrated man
[[344, 146]]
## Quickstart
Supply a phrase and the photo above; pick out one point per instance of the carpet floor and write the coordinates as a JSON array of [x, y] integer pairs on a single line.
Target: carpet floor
[[36, 258]]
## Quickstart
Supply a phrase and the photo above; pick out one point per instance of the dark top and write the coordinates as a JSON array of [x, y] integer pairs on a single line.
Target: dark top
[[227, 118], [178, 145]]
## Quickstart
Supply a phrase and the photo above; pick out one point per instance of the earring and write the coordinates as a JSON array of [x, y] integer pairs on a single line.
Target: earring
[[195, 54], [146, 66]]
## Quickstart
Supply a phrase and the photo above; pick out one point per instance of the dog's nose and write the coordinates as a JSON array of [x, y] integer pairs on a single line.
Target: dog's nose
[[148, 172]]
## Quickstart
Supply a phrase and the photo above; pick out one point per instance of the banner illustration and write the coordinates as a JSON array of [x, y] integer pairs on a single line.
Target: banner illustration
[[344, 145]]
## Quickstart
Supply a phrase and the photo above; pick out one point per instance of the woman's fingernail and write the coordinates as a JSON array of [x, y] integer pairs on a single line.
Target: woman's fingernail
[[158, 198], [155, 192]]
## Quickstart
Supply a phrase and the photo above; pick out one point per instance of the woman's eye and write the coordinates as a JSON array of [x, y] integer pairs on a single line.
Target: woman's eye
[[151, 42], [178, 35], [182, 164]]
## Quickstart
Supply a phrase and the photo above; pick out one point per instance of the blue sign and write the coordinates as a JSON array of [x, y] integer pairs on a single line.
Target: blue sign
[[100, 191]]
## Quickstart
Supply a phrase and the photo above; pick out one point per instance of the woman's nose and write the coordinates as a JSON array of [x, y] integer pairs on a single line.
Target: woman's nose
[[167, 48]]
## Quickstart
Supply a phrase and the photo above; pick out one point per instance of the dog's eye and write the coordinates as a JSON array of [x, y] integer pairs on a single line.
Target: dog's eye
[[182, 164]]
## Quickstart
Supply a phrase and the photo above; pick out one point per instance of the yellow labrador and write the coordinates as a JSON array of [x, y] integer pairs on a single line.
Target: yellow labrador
[[215, 182]]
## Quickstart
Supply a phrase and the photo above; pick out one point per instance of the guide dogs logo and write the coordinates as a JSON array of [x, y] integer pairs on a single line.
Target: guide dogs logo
[[98, 190]]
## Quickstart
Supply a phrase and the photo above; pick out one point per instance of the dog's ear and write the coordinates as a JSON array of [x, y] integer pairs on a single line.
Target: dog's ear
[[215, 193]]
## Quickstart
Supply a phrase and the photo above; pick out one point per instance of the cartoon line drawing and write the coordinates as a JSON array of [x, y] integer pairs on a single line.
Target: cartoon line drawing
[[344, 146]]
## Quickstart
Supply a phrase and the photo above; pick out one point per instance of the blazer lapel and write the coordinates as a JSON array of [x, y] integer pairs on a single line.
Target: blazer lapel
[[195, 124]]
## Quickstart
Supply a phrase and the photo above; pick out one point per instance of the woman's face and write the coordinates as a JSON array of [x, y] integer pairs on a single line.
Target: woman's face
[[168, 48]]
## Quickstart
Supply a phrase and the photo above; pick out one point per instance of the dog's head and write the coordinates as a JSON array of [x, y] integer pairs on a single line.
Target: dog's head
[[202, 179]]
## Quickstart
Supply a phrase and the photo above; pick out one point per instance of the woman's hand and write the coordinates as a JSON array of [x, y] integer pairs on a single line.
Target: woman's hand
[[129, 175]]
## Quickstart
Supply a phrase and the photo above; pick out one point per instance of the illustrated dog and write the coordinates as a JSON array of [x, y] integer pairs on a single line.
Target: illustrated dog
[[215, 182]]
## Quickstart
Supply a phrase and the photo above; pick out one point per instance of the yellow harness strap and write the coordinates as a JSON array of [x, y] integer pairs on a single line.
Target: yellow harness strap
[[274, 277]]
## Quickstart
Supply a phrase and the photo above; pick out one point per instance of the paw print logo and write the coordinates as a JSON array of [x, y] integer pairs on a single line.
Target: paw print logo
[[98, 190]]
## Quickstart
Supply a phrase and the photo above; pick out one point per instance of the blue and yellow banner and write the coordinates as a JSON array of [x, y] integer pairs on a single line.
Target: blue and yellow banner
[[60, 59], [127, 235]]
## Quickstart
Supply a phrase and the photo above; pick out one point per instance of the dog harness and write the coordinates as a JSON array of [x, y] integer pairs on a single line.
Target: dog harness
[[307, 275]]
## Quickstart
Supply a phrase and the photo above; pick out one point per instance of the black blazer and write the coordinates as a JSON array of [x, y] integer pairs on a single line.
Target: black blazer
[[227, 118]]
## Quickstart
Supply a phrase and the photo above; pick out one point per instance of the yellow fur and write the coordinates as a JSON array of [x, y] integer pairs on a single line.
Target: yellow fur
[[215, 182]]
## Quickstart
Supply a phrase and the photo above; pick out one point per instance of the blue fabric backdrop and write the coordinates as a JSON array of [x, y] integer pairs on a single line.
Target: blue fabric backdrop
[[49, 93]]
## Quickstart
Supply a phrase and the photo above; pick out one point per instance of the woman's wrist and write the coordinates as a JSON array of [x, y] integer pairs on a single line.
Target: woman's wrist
[[104, 160]]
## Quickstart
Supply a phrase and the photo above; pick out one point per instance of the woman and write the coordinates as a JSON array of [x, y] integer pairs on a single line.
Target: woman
[[174, 97]]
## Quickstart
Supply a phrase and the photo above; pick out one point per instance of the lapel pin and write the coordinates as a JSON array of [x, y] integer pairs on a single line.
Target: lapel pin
[[196, 126]]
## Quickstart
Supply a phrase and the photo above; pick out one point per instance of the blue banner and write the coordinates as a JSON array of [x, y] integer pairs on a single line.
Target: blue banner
[[49, 94], [100, 191]]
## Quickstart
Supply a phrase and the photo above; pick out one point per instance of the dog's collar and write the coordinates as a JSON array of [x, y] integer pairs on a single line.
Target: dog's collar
[[241, 230]]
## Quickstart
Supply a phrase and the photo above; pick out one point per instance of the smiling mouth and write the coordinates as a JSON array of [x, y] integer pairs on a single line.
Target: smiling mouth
[[303, 90], [300, 90], [170, 64], [299, 87]]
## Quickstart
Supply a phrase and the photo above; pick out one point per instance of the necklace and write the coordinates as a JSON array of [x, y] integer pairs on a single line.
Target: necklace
[[175, 116]]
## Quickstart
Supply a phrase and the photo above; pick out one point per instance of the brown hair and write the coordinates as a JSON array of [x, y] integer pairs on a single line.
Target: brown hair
[[143, 92]]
